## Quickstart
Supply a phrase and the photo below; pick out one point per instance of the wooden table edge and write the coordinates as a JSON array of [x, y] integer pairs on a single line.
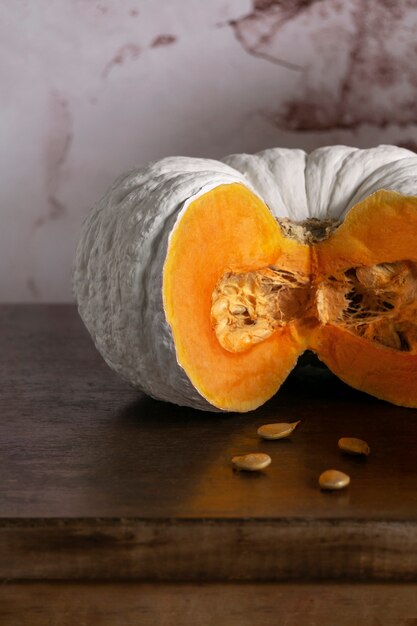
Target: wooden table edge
[[209, 549]]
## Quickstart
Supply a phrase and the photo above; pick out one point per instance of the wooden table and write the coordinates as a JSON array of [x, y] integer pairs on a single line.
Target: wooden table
[[117, 509]]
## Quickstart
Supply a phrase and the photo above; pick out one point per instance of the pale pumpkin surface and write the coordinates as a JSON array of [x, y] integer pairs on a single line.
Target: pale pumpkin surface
[[202, 282]]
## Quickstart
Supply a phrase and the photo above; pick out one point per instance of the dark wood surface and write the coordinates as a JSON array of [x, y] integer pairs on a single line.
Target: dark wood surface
[[136, 604], [90, 467]]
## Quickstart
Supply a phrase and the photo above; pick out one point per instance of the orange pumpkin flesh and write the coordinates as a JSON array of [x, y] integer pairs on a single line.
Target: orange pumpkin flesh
[[227, 229], [381, 229], [228, 242]]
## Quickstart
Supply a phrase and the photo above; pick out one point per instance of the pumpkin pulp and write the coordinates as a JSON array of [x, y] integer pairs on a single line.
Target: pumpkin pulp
[[246, 294]]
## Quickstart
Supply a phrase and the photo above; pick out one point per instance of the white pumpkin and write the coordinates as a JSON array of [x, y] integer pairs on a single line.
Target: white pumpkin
[[119, 263]]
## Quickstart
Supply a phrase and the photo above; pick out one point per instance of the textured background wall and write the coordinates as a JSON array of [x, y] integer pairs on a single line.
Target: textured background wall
[[91, 88]]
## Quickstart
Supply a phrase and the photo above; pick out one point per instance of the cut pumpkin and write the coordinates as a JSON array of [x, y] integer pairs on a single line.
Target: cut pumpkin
[[200, 287], [227, 230], [369, 339]]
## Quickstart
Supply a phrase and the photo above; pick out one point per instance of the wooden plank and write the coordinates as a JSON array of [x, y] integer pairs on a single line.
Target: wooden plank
[[209, 550], [207, 605], [76, 441], [98, 480]]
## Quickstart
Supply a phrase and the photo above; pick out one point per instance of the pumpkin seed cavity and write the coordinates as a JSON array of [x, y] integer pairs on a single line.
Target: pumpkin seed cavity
[[247, 308], [378, 303]]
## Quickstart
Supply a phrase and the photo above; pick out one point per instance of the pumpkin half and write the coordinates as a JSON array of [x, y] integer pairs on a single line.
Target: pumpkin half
[[202, 282]]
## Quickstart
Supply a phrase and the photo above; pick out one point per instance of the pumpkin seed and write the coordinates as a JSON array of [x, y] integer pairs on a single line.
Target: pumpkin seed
[[351, 445], [252, 462], [277, 431], [377, 275], [238, 309], [333, 479]]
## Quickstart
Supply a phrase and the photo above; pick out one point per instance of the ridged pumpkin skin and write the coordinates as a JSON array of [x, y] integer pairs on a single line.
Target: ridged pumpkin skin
[[125, 242]]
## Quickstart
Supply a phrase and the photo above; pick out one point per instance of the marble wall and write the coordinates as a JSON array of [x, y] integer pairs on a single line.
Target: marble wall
[[91, 88]]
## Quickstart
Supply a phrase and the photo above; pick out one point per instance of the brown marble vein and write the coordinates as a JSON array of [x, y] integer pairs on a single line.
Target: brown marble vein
[[256, 30], [163, 40], [127, 52], [33, 288], [57, 146], [358, 60]]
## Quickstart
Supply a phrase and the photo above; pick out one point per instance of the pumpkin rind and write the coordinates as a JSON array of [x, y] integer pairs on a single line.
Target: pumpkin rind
[[329, 181], [118, 272]]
